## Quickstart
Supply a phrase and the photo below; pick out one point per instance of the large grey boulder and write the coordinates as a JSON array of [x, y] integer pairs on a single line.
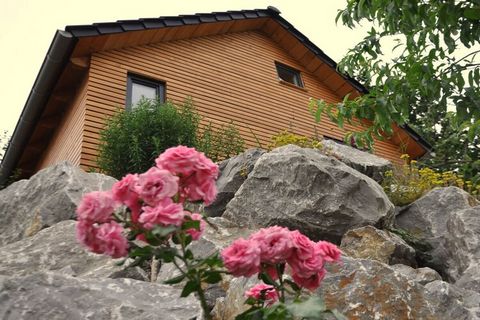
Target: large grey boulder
[[57, 297], [463, 246], [453, 302], [54, 249], [426, 219], [48, 197], [371, 243], [233, 173], [367, 163], [359, 289], [302, 189]]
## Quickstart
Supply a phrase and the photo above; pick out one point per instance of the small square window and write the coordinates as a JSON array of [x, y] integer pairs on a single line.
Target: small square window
[[139, 87], [290, 75]]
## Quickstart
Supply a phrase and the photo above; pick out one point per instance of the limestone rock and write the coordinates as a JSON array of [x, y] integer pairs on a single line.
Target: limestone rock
[[359, 289], [470, 278], [233, 173], [58, 297], [54, 249], [463, 246], [364, 162], [426, 219], [371, 243], [421, 275], [48, 197], [453, 303], [303, 189]]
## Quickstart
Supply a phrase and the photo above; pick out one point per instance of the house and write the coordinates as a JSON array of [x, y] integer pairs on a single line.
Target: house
[[249, 66]]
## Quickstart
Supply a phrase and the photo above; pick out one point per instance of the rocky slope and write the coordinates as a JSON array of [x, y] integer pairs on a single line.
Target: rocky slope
[[45, 274]]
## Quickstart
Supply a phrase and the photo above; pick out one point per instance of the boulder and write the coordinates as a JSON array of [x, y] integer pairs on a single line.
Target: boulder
[[421, 275], [371, 243], [364, 162], [359, 289], [463, 246], [233, 173], [50, 196], [54, 249], [426, 220], [452, 302], [57, 297], [302, 189]]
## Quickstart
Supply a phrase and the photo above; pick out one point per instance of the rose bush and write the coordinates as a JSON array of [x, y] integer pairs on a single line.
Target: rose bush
[[145, 217]]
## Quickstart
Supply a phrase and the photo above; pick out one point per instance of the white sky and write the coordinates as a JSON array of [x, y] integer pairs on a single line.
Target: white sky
[[27, 27]]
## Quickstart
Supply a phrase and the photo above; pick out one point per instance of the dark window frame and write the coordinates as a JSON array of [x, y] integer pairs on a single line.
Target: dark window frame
[[160, 87], [295, 72]]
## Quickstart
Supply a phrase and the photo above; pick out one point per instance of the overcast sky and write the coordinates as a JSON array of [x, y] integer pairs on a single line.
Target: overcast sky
[[27, 28]]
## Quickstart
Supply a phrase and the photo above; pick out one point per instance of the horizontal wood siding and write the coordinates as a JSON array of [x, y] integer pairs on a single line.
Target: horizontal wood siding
[[66, 144], [230, 77]]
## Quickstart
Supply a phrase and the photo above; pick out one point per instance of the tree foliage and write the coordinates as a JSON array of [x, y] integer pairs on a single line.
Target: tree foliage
[[433, 68]]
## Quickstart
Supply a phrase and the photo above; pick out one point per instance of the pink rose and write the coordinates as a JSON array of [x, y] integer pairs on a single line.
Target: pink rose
[[275, 244], [263, 292], [96, 206], [124, 190], [303, 246], [329, 251], [307, 267], [195, 189], [310, 282], [86, 234], [196, 234], [178, 160], [155, 185], [111, 240], [242, 258], [165, 213]]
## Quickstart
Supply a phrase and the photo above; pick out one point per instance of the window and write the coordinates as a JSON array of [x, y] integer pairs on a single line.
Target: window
[[139, 87], [289, 75]]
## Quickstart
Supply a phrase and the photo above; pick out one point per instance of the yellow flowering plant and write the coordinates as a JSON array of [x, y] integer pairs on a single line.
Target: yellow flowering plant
[[408, 182]]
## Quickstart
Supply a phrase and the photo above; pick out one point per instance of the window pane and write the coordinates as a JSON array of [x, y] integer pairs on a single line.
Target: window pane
[[140, 90], [289, 75]]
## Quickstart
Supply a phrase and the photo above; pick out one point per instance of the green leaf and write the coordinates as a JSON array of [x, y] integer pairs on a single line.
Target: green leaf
[[162, 232], [312, 308], [190, 286], [191, 224], [266, 278], [175, 280], [472, 13], [145, 252], [212, 277]]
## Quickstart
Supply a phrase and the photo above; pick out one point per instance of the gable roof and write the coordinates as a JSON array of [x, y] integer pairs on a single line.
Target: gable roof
[[61, 64]]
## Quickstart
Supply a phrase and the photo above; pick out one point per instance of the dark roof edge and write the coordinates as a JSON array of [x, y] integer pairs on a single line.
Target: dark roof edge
[[415, 136], [57, 57]]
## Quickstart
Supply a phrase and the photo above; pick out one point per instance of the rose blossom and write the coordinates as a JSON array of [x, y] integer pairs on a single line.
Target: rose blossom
[[86, 234], [124, 190], [96, 206], [303, 246], [179, 160], [165, 213], [111, 240], [275, 244], [197, 173], [263, 291], [242, 258], [196, 234], [307, 266], [155, 185], [329, 251], [311, 282]]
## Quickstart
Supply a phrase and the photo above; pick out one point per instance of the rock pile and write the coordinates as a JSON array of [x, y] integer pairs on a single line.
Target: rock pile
[[431, 271]]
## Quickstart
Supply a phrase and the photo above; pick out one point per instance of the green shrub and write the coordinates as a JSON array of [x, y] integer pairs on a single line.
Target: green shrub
[[285, 137], [132, 140], [408, 182]]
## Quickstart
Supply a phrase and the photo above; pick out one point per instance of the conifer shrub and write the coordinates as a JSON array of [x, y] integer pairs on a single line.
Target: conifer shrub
[[132, 140]]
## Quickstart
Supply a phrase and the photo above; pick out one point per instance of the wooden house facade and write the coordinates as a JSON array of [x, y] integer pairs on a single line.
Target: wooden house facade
[[251, 67]]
